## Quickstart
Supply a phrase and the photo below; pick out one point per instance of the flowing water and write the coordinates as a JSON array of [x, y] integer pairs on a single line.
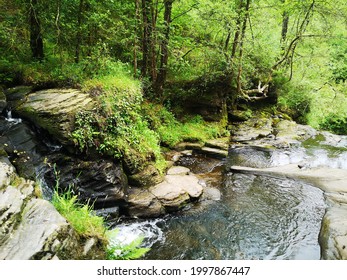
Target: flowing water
[[257, 217]]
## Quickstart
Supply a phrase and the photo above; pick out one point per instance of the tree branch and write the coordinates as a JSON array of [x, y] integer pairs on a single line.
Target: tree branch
[[185, 12]]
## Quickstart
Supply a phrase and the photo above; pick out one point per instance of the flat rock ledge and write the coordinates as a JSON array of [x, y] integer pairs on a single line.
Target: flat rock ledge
[[333, 234], [178, 189], [53, 109]]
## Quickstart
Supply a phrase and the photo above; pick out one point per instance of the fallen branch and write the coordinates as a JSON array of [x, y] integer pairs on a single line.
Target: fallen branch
[[260, 92]]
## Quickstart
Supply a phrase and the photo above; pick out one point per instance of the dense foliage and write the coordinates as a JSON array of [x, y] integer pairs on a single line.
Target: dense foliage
[[295, 50]]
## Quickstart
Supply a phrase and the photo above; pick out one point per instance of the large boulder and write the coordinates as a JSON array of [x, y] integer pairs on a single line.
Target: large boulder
[[177, 189], [333, 235], [54, 110], [101, 182], [143, 204], [31, 228]]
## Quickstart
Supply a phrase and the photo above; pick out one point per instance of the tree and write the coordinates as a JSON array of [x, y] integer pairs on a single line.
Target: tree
[[36, 41], [164, 49]]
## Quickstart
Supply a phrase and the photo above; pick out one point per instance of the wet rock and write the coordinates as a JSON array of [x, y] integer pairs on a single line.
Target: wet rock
[[101, 182], [177, 190], [54, 110], [211, 194], [3, 102], [239, 116], [142, 203], [17, 95], [149, 176], [188, 146], [20, 142], [213, 152], [253, 129], [219, 143], [333, 235], [178, 170], [290, 132]]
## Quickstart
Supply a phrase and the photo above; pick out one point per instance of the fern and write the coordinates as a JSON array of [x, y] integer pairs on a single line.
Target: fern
[[131, 251]]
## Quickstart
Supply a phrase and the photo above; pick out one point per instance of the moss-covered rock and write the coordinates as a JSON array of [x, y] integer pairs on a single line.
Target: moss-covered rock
[[149, 176], [3, 102]]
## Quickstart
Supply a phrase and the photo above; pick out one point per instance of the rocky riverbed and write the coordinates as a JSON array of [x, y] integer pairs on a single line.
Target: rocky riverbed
[[36, 143]]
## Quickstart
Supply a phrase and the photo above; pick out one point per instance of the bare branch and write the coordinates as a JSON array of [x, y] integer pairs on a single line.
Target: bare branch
[[185, 12]]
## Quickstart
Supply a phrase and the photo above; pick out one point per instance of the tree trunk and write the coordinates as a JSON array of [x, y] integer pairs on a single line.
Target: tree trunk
[[243, 33], [36, 41], [146, 36], [153, 42], [79, 31], [137, 21], [164, 49], [285, 22]]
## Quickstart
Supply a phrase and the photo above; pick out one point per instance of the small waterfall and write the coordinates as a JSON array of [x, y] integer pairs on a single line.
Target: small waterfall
[[12, 120]]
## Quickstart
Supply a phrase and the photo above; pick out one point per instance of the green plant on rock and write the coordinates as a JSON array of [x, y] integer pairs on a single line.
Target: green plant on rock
[[118, 251], [81, 217], [86, 223], [117, 127], [171, 131]]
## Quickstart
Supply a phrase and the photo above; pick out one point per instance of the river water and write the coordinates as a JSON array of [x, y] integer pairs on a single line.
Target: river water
[[257, 217]]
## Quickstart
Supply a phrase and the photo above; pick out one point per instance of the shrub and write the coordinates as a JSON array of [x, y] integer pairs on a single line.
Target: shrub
[[86, 223], [81, 217], [117, 128], [118, 251], [171, 131], [335, 123]]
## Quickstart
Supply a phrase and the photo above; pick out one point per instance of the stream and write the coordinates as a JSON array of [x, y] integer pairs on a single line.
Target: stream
[[257, 217]]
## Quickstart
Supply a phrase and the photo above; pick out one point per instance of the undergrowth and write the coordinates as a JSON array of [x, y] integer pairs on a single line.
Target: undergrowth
[[86, 223], [171, 131]]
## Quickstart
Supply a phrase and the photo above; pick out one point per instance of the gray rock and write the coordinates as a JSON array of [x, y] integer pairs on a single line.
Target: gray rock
[[333, 235], [178, 170], [54, 110], [177, 190], [142, 203], [7, 171], [213, 152], [290, 132], [101, 182], [211, 194], [170, 196], [219, 143], [37, 233], [3, 101]]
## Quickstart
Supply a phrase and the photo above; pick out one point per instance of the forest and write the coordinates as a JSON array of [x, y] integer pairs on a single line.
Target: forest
[[292, 51], [158, 73]]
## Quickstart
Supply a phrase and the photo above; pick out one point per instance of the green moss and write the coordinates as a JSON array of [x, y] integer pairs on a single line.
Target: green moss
[[192, 128], [117, 128]]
